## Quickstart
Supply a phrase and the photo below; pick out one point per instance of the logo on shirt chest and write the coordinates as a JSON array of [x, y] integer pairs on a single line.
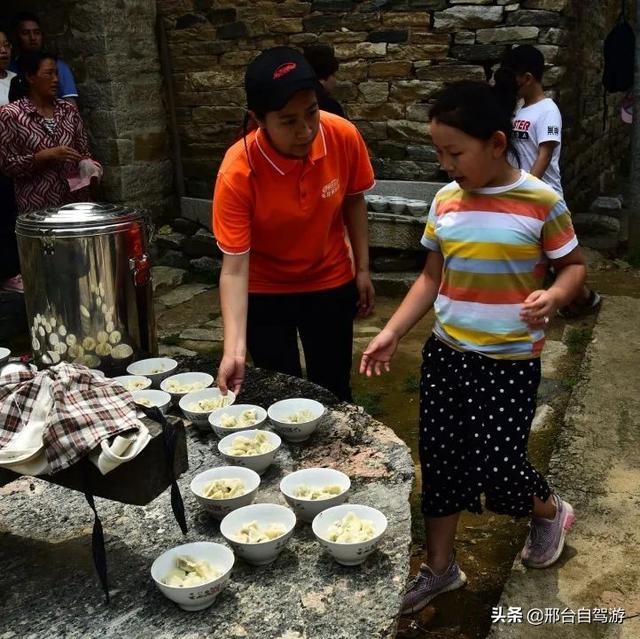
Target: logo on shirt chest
[[330, 188]]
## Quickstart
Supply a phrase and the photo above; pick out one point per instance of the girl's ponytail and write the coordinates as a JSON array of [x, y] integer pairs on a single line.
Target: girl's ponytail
[[506, 88]]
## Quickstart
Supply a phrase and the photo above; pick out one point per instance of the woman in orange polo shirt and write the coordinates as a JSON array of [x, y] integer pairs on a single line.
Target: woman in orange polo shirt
[[286, 196]]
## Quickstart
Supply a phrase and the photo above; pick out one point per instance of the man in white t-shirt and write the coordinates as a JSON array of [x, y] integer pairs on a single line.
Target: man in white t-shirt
[[537, 138]]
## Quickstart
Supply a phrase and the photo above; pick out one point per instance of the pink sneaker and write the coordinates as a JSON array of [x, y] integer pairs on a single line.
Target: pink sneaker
[[545, 542], [13, 284]]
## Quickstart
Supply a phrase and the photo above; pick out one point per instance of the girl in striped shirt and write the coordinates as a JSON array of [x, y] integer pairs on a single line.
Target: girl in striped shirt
[[491, 234]]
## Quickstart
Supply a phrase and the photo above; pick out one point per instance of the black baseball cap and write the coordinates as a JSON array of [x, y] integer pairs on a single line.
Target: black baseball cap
[[274, 76]]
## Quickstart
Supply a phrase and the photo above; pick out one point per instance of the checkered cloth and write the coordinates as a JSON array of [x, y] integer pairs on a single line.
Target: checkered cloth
[[80, 409]]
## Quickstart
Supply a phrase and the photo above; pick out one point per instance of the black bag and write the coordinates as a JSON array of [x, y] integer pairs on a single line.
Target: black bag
[[619, 54], [619, 59]]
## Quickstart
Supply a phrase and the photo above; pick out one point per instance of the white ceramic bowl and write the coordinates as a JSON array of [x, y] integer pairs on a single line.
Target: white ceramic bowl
[[201, 418], [157, 398], [128, 380], [418, 208], [145, 367], [194, 597], [259, 463], [298, 432], [236, 410], [265, 514], [218, 508], [349, 554], [182, 379], [5, 353], [307, 509], [398, 205]]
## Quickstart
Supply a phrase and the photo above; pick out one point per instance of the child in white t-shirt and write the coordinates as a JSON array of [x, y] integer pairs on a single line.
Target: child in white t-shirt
[[537, 139]]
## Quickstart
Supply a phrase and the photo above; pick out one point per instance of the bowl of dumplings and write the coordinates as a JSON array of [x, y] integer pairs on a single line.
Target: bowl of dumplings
[[258, 533], [254, 449], [184, 383], [295, 420], [5, 353], [197, 405], [149, 398], [350, 532], [311, 490], [192, 575], [133, 383], [236, 418], [221, 490], [155, 368]]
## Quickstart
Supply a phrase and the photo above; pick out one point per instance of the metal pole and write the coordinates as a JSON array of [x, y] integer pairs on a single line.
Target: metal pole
[[633, 204]]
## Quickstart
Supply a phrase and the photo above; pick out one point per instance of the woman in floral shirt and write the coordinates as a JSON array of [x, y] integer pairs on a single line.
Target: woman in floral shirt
[[43, 139]]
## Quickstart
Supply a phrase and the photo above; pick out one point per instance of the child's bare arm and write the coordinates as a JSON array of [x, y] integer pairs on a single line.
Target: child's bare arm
[[545, 151]]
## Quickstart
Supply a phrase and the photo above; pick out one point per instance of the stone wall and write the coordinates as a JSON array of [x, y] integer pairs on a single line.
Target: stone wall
[[395, 55], [111, 47]]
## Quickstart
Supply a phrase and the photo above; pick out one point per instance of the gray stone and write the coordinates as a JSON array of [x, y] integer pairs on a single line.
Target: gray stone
[[168, 350], [374, 91], [214, 323], [203, 334], [197, 210], [182, 294], [506, 34], [184, 226], [166, 276], [304, 593], [201, 244], [392, 231], [553, 354], [207, 265], [176, 259], [395, 263], [595, 224], [393, 284], [535, 18], [467, 17], [543, 418], [604, 203]]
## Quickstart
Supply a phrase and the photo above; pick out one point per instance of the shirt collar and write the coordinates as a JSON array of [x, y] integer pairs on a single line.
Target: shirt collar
[[30, 108], [283, 165]]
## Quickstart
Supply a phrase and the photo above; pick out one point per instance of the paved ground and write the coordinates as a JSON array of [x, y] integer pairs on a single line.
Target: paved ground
[[596, 466]]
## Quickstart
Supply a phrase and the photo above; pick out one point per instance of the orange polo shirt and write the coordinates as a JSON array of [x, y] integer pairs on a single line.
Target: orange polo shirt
[[287, 212]]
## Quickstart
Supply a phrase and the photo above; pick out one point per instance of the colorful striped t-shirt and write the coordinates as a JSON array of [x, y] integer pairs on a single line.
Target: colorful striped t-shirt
[[495, 243]]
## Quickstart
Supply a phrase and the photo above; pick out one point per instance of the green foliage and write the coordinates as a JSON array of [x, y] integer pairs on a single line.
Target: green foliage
[[411, 384], [371, 402], [577, 339]]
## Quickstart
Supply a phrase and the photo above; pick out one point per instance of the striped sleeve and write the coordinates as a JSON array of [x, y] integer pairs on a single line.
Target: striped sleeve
[[429, 239], [558, 236]]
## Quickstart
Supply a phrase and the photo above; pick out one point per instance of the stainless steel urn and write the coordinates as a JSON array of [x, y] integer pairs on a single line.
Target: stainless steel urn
[[87, 284]]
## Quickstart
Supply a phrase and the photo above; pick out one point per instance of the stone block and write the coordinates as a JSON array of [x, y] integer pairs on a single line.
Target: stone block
[[407, 130], [293, 9], [202, 334], [543, 418], [546, 5], [209, 265], [197, 210], [450, 72], [321, 23], [412, 90], [506, 34], [402, 262], [175, 259], [361, 21], [218, 17], [364, 50], [386, 111], [346, 91], [184, 226], [478, 52], [327, 6], [344, 35], [595, 224], [411, 19], [417, 52], [170, 241], [605, 203], [536, 18], [553, 35], [353, 71], [387, 231], [167, 277], [389, 35], [232, 31], [182, 294], [201, 244], [422, 153], [374, 91], [464, 37], [389, 149], [397, 69], [150, 146], [189, 20], [217, 114], [467, 17], [285, 25], [418, 112], [373, 130]]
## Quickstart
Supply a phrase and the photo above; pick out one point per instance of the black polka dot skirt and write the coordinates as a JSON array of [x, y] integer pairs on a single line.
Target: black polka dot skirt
[[475, 417]]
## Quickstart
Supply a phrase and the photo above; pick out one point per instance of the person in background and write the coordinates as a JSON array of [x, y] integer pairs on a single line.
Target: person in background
[[10, 279], [537, 139], [27, 35], [287, 196], [44, 145], [325, 64]]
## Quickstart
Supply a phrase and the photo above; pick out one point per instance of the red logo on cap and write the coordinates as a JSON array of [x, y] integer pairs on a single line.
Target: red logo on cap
[[283, 69]]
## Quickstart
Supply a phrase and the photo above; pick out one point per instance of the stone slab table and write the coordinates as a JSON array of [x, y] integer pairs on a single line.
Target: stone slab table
[[48, 588]]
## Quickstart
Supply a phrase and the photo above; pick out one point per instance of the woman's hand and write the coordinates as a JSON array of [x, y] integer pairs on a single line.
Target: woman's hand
[[231, 373], [59, 154], [538, 308], [379, 353], [366, 294]]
